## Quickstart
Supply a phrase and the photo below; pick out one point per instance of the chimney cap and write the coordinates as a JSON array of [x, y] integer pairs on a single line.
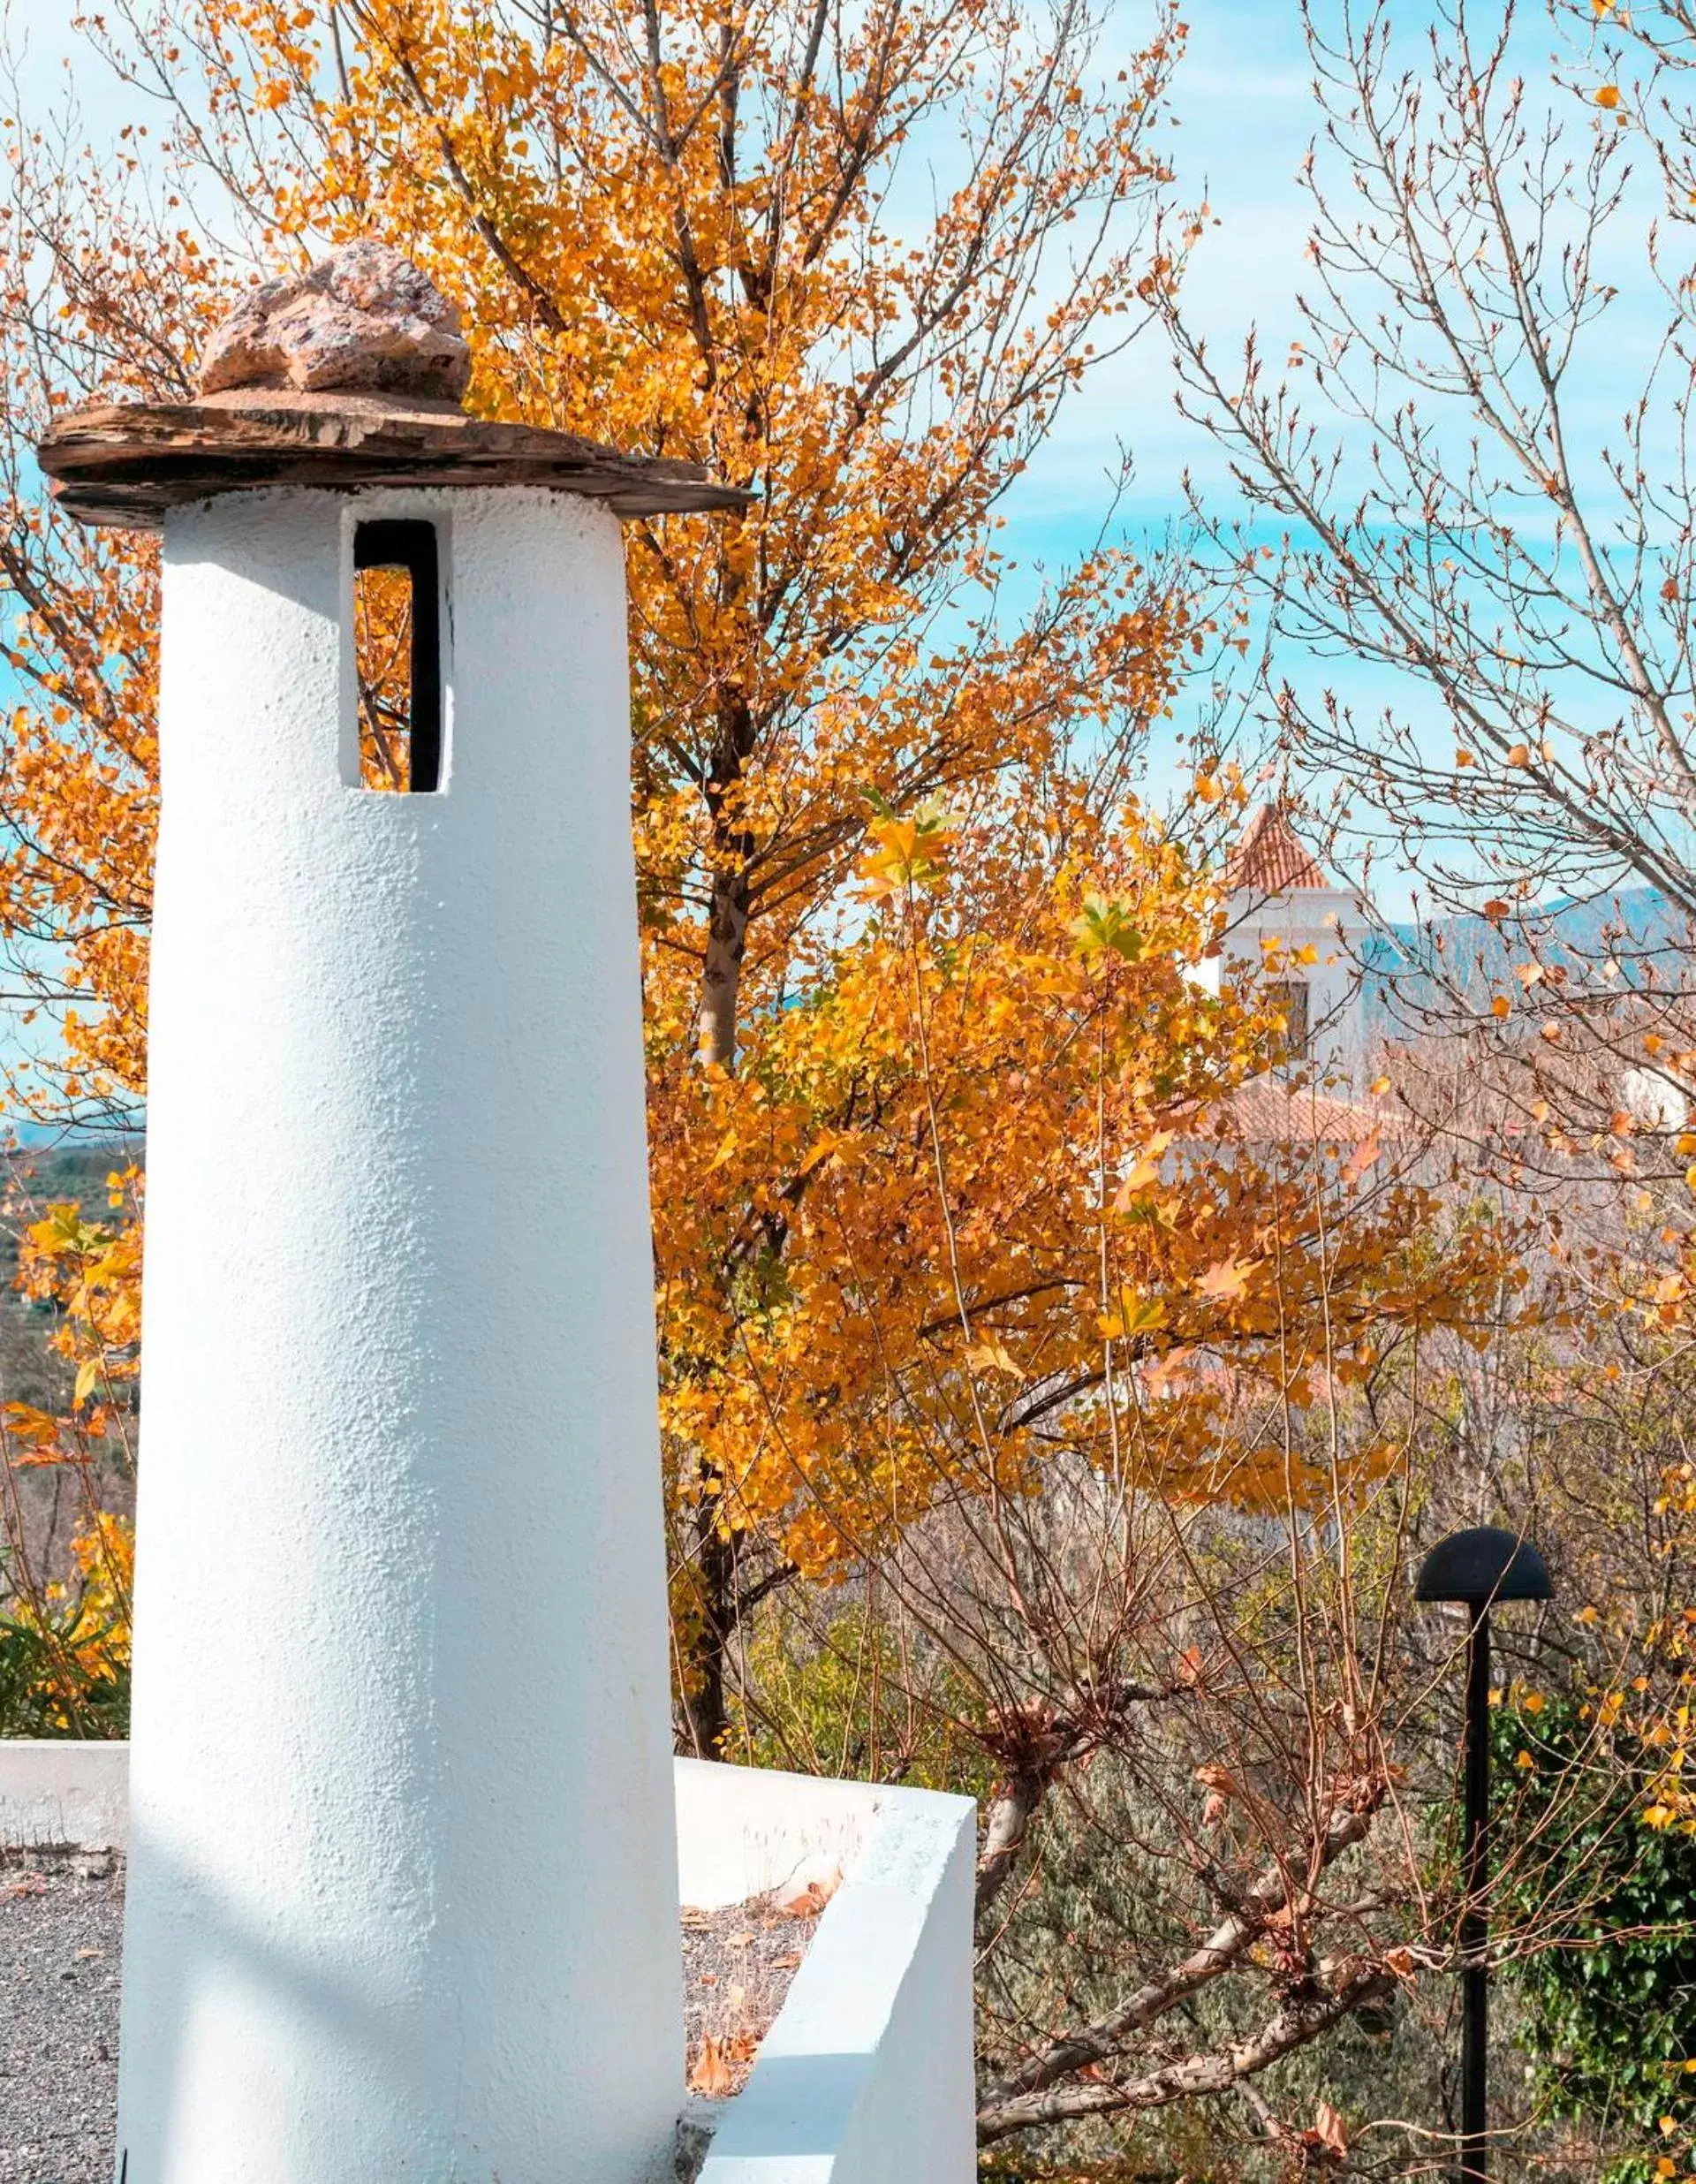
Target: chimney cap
[[343, 374], [128, 463]]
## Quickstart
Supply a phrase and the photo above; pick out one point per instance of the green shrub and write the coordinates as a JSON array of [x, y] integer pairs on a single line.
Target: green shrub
[[1609, 2009]]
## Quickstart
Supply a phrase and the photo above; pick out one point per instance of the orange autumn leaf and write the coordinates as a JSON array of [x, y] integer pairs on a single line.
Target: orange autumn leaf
[[1224, 1281], [710, 2075], [1331, 2130]]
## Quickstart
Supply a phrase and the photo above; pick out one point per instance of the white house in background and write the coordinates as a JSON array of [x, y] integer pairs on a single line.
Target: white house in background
[[1282, 905]]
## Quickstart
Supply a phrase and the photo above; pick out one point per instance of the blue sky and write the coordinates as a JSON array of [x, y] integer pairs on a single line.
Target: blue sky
[[1247, 118]]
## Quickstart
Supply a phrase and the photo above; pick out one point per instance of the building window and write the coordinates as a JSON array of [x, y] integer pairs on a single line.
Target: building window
[[1290, 998], [397, 655]]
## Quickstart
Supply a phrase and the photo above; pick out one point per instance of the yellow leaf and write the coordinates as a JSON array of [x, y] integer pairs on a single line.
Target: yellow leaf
[[1609, 97], [87, 1379], [1144, 1173], [31, 1424], [1501, 1005], [994, 1353], [1133, 1316]]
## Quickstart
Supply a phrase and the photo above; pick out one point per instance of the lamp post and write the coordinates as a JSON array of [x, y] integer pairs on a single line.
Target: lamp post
[[1477, 1568]]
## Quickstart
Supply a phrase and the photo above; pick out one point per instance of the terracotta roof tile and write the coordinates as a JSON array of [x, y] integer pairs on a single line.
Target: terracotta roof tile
[[1269, 859], [1270, 1111]]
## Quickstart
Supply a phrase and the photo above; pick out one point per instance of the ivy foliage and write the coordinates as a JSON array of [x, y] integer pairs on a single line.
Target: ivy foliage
[[1608, 2014]]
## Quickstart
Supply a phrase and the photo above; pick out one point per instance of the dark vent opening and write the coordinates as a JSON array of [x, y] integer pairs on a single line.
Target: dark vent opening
[[397, 655]]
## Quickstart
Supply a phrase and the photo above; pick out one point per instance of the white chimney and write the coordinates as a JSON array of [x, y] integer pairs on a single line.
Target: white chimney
[[402, 1893]]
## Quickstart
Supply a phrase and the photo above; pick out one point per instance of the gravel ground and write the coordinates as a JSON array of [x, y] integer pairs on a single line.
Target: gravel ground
[[60, 1934], [738, 1962]]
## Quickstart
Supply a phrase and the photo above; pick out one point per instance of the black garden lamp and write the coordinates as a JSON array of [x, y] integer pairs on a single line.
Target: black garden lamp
[[1477, 1568]]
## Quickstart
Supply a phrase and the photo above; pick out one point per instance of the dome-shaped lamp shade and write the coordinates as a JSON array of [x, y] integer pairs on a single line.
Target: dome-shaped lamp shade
[[1481, 1566]]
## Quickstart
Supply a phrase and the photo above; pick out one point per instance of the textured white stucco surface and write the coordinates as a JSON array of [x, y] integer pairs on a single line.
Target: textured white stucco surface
[[866, 2077], [64, 1792], [401, 1897], [744, 1831]]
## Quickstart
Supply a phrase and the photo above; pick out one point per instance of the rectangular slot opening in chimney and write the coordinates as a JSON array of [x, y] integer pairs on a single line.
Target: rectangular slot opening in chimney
[[397, 655]]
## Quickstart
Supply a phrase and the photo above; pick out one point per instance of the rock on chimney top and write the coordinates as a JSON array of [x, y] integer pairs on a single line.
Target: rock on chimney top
[[364, 320]]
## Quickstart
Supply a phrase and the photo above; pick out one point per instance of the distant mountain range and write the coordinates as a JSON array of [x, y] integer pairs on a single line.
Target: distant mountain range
[[1409, 968]]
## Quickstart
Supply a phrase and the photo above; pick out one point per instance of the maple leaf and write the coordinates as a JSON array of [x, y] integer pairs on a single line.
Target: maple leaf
[[994, 1356], [1225, 1281], [806, 1903], [1133, 1316], [710, 2074], [1147, 1172], [1165, 1376]]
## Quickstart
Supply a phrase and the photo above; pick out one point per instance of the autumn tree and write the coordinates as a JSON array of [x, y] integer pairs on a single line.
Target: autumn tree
[[970, 1301], [1072, 1510]]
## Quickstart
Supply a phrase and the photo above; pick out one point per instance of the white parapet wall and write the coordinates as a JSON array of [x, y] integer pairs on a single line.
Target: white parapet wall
[[865, 2078], [64, 1793]]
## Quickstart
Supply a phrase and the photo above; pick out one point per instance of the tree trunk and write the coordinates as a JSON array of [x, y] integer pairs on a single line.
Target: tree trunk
[[721, 974], [707, 1706], [1016, 1802], [721, 991]]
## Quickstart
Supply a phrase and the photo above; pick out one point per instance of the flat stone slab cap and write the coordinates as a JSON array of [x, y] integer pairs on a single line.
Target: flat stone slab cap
[[364, 317], [127, 464]]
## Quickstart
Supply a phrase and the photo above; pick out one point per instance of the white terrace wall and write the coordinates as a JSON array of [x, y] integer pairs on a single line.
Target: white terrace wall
[[64, 1793], [866, 2077]]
